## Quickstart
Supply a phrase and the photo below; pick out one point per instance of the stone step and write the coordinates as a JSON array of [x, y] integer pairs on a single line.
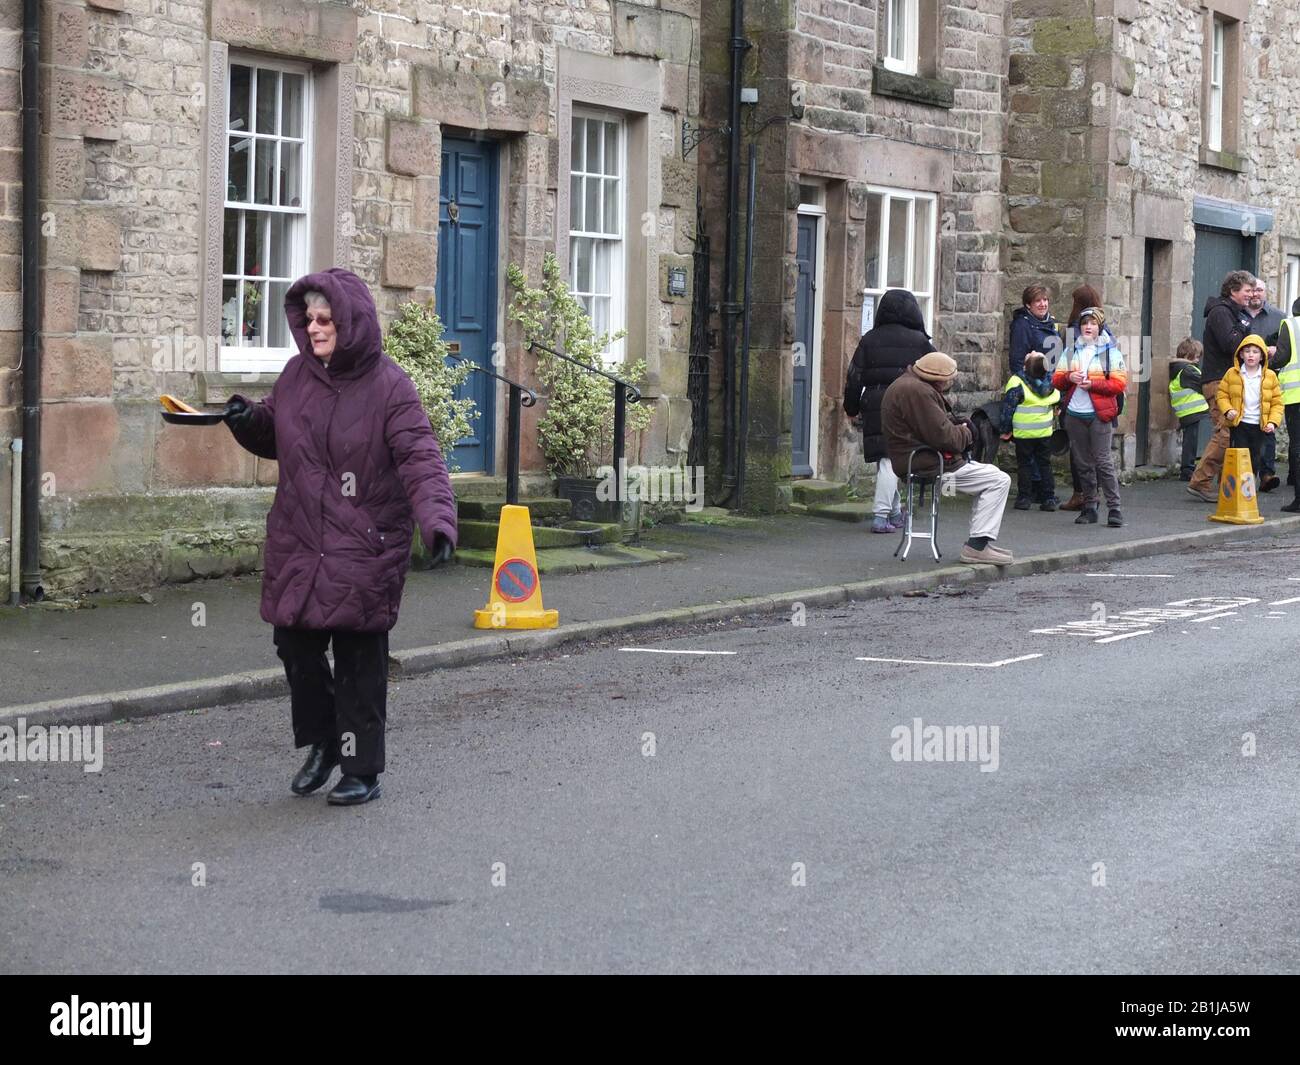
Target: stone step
[[813, 491], [483, 534], [482, 486], [576, 559], [842, 511], [541, 510]]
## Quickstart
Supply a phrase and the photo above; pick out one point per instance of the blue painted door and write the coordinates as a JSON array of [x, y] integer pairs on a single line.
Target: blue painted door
[[1218, 251], [805, 299], [467, 281]]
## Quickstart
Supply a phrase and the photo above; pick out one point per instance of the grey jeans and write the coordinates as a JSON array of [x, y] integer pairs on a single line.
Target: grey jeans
[[1090, 449]]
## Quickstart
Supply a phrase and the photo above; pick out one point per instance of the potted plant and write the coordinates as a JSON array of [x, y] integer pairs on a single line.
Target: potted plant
[[576, 432]]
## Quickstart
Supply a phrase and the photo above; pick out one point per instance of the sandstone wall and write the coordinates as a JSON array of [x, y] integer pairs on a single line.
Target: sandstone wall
[[855, 123], [126, 169]]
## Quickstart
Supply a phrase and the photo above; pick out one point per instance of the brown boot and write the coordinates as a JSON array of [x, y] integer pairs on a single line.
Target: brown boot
[[1075, 502]]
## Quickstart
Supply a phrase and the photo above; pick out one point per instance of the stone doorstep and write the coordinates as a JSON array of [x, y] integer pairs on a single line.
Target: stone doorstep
[[561, 560], [814, 490], [541, 511], [842, 511], [481, 486], [483, 534]]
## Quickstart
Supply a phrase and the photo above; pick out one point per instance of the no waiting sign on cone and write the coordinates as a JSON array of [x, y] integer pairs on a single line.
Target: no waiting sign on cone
[[1237, 502], [515, 599]]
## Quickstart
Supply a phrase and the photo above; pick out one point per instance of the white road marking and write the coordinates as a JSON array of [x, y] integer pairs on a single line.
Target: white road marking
[[1128, 575], [970, 665], [1215, 617], [1284, 602], [1124, 636], [672, 651]]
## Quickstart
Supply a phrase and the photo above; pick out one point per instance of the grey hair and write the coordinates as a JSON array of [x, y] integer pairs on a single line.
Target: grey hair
[[313, 298]]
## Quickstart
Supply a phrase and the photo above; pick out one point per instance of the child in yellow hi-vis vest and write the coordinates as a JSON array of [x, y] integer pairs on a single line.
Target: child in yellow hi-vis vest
[[1191, 408], [1028, 408]]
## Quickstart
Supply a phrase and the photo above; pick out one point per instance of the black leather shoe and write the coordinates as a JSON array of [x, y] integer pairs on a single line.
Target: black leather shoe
[[353, 791], [1087, 516], [321, 760], [1115, 519], [1293, 507]]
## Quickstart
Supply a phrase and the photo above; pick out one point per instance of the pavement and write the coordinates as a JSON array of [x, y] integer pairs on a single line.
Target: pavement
[[109, 658], [735, 797]]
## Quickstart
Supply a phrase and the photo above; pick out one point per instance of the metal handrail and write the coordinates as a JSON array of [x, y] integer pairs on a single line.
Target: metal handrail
[[520, 396], [633, 393], [623, 392], [529, 397]]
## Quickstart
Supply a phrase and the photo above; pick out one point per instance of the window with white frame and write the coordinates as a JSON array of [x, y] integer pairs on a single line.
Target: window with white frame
[[1214, 105], [1291, 282], [900, 243], [265, 223], [902, 18], [597, 197]]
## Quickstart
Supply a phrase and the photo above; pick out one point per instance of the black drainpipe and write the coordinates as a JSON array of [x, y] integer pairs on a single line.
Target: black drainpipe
[[30, 560], [730, 308]]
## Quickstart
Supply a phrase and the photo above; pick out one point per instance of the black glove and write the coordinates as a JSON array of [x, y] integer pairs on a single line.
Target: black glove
[[239, 412], [440, 550]]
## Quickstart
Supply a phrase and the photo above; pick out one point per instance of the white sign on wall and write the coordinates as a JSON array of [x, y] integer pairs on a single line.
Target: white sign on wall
[[868, 313]]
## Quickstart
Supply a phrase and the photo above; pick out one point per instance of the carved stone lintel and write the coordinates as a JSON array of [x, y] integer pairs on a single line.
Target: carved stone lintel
[[299, 28]]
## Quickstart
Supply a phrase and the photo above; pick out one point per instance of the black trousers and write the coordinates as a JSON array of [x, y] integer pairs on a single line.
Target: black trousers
[[1293, 447], [1269, 457], [1191, 446], [348, 707], [1251, 437], [1034, 477]]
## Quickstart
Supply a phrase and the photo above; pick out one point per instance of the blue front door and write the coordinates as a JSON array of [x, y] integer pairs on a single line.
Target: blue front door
[[467, 281], [805, 298]]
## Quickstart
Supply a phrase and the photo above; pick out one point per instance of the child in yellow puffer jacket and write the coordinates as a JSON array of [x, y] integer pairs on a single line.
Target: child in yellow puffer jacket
[[1250, 398]]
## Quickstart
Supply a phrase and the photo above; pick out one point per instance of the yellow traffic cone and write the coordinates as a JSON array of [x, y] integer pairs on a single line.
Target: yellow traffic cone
[[515, 601], [1237, 502]]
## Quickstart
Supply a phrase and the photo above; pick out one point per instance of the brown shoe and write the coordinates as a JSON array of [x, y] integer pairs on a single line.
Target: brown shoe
[[1075, 502], [990, 556]]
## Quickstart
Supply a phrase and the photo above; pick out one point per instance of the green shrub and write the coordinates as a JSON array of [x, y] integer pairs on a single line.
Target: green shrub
[[414, 341], [576, 432]]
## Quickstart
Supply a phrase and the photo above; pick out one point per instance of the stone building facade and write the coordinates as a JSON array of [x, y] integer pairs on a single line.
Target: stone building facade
[[959, 148], [199, 154], [1152, 146], [870, 177], [1058, 140]]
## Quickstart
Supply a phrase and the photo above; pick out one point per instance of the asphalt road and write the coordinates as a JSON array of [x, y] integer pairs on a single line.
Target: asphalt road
[[771, 829]]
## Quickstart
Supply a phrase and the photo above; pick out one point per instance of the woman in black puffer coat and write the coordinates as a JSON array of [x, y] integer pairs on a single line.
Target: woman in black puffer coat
[[896, 340]]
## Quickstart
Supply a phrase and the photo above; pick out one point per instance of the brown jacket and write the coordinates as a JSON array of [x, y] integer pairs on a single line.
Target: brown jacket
[[915, 414]]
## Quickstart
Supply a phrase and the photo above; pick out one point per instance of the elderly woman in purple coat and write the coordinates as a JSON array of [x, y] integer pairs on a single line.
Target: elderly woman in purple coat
[[357, 461]]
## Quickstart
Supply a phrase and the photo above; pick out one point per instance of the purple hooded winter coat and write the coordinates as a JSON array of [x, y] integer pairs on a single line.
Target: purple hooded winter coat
[[357, 457]]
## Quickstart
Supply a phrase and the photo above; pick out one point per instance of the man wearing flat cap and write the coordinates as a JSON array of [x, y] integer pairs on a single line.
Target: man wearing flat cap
[[916, 414]]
